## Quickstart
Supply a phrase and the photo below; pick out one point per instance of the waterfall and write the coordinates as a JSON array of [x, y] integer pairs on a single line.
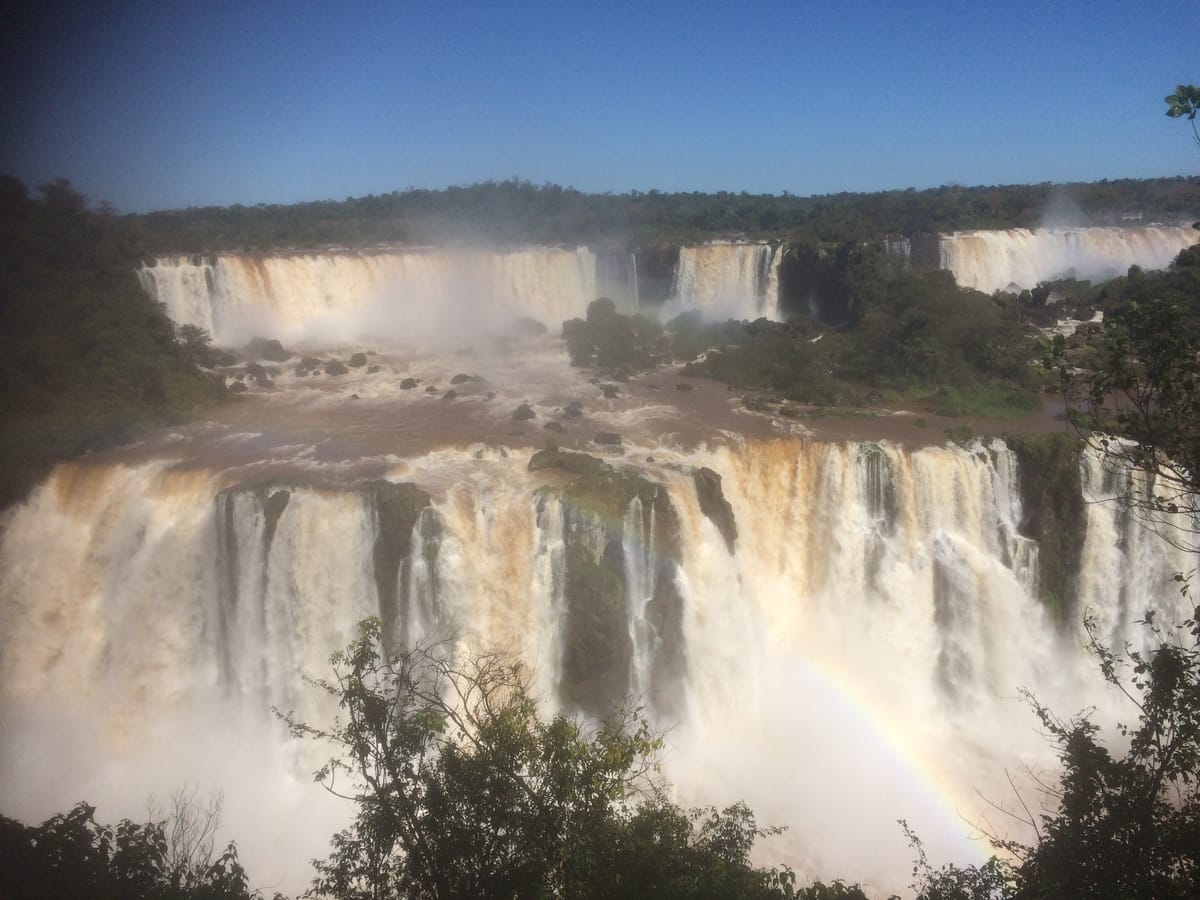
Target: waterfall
[[1020, 259], [1130, 558], [638, 547], [860, 643], [402, 296], [739, 281], [616, 278]]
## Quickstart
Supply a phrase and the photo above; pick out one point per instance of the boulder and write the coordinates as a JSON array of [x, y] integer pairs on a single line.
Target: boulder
[[607, 439], [409, 383], [267, 348], [358, 360], [371, 370], [568, 461], [523, 413], [450, 395], [335, 367], [463, 378]]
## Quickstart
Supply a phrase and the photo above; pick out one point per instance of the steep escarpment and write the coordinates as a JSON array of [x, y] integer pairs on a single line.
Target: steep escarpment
[[775, 602]]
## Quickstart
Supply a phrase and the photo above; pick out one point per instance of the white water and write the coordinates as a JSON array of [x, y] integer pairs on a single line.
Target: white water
[[855, 659], [407, 296], [723, 280], [995, 260]]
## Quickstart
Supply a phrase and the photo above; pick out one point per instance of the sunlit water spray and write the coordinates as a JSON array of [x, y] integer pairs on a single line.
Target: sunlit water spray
[[852, 660], [1000, 260], [851, 657]]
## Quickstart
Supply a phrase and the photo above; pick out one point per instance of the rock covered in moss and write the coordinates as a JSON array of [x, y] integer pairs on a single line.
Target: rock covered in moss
[[600, 502], [567, 460]]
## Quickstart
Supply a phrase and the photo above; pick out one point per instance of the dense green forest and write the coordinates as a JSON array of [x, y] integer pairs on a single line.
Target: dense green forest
[[904, 337], [516, 212], [86, 357]]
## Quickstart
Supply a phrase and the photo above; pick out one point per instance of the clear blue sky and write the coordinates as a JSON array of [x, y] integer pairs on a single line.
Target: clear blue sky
[[163, 104]]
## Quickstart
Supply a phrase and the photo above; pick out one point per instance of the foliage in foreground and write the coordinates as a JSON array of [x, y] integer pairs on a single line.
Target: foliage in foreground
[[1123, 819], [1112, 827], [462, 790], [72, 855]]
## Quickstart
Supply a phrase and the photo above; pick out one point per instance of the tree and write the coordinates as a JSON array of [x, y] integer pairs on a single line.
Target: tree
[[195, 346], [1185, 102], [1125, 826], [1112, 826], [189, 831], [1123, 821], [1141, 396], [462, 790], [72, 855]]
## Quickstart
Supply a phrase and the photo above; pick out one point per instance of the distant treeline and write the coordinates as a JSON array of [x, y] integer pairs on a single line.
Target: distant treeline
[[518, 212]]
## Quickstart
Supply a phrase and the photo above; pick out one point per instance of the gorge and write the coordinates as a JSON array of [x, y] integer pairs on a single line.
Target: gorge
[[821, 623]]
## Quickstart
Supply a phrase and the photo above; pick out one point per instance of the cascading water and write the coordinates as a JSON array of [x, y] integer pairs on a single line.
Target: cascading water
[[403, 295], [1130, 557], [739, 281], [855, 644], [999, 260]]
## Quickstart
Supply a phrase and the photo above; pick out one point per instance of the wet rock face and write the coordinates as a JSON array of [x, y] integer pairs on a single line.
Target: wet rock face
[[1055, 514], [598, 649], [396, 509], [714, 505]]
